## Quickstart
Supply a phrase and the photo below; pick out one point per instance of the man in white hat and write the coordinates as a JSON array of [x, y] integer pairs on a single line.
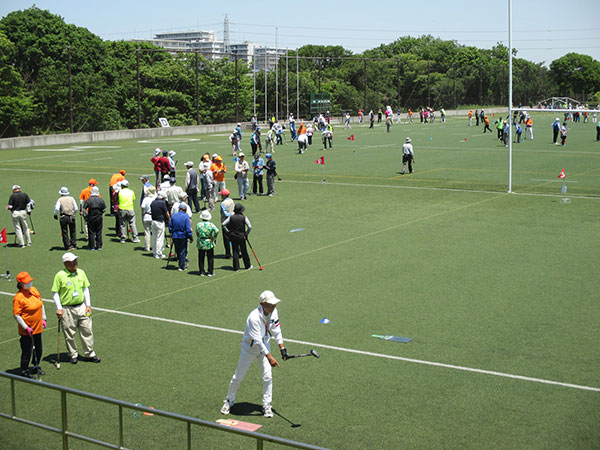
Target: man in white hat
[[66, 208], [261, 324], [172, 163], [19, 206], [71, 295], [241, 174], [408, 156]]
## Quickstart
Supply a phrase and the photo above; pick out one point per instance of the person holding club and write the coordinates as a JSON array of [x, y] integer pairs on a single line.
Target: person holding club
[[238, 227], [29, 312], [18, 205], [262, 324], [71, 295]]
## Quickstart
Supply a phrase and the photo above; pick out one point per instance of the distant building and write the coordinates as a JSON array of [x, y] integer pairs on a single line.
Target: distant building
[[206, 43]]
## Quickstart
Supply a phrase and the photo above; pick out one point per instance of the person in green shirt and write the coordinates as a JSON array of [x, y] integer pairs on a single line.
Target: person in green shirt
[[71, 295], [206, 236], [126, 212]]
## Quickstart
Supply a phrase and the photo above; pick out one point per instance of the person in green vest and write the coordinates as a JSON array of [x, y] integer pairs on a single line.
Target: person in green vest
[[126, 212]]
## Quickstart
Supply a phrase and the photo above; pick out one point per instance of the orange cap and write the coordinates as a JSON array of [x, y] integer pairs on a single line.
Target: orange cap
[[24, 277], [122, 172], [93, 181]]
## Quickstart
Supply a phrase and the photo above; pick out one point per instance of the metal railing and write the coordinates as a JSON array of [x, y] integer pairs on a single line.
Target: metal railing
[[66, 433]]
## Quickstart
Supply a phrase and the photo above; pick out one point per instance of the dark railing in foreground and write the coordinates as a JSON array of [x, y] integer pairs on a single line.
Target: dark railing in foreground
[[189, 421]]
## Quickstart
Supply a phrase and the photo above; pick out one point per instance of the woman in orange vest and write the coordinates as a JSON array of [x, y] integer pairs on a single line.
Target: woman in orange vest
[[28, 310]]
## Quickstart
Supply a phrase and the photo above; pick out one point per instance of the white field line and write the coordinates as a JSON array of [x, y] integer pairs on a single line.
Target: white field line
[[358, 352], [422, 188], [83, 153]]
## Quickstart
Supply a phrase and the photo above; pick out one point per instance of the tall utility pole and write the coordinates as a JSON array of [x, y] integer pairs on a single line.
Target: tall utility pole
[[139, 89], [276, 78], [197, 93], [70, 93], [237, 104]]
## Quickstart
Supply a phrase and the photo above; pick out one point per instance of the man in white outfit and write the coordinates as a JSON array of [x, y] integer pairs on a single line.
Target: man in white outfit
[[261, 324]]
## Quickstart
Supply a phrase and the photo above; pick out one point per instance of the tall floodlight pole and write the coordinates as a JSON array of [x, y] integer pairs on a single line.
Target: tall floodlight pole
[[266, 97], [254, 84], [510, 99], [287, 85], [276, 78], [297, 87]]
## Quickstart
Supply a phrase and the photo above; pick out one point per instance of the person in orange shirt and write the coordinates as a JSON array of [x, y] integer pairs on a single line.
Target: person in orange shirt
[[114, 199], [301, 129], [29, 312], [85, 194], [410, 116], [470, 117], [528, 128], [486, 120], [218, 169]]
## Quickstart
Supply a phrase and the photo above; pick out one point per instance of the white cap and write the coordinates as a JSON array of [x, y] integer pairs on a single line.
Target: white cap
[[68, 257], [189, 164], [63, 191], [172, 153], [124, 183], [268, 297], [16, 186]]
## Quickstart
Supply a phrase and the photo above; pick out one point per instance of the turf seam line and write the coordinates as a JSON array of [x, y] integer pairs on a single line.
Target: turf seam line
[[359, 352]]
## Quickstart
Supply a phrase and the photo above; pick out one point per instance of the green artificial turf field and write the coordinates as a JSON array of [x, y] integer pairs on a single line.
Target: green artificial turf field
[[500, 289]]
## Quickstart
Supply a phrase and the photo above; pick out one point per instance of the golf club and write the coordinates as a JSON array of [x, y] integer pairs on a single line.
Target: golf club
[[35, 366], [81, 224], [31, 222], [260, 267], [169, 257], [313, 352], [58, 348]]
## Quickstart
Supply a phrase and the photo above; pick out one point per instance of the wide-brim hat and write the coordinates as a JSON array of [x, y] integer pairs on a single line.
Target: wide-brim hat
[[239, 208], [205, 215]]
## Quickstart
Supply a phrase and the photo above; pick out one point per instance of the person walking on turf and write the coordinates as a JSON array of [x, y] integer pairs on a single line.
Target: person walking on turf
[[180, 227], [19, 207], [83, 196], [94, 208], [160, 217], [147, 217], [258, 167], [262, 324], [126, 212], [241, 175], [238, 227], [555, 131], [192, 186], [206, 236], [29, 312], [66, 208], [71, 295], [271, 172], [226, 210], [408, 156]]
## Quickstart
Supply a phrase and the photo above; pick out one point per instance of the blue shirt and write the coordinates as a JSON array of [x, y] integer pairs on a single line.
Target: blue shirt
[[256, 164], [180, 226]]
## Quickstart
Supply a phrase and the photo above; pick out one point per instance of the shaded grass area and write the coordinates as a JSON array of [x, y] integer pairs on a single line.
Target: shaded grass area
[[485, 280]]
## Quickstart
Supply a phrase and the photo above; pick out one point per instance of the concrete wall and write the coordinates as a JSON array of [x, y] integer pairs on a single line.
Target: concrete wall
[[147, 133]]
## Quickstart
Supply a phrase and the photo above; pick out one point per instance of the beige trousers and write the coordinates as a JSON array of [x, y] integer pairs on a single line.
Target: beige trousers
[[20, 222], [73, 320]]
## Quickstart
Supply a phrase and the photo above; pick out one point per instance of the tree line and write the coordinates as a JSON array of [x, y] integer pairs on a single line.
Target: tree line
[[56, 77]]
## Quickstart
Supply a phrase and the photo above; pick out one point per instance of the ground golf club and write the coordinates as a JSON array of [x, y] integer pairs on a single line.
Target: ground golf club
[[313, 352]]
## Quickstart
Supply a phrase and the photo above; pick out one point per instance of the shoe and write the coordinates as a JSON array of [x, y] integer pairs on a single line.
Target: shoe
[[226, 406], [38, 370], [267, 411], [251, 267], [26, 374], [203, 274], [74, 360], [29, 244], [122, 241], [22, 246], [211, 274], [136, 240], [94, 359], [99, 248], [180, 269]]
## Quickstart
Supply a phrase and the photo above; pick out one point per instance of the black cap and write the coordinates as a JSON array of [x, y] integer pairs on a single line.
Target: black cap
[[238, 208]]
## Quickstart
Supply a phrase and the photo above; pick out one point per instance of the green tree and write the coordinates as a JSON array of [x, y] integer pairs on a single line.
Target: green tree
[[576, 74]]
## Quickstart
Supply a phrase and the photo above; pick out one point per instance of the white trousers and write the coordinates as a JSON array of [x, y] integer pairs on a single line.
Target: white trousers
[[529, 131], [247, 355], [19, 219], [73, 320], [158, 236], [147, 234]]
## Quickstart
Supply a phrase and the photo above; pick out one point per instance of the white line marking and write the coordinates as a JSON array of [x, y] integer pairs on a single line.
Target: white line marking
[[101, 159], [553, 181], [358, 352], [55, 150], [167, 140]]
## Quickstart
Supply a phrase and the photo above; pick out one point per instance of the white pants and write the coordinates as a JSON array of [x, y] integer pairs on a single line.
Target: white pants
[[148, 234], [247, 355], [19, 219], [529, 131], [73, 320], [158, 236]]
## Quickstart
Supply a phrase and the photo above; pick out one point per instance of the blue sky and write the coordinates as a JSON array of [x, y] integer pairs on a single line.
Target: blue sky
[[543, 30]]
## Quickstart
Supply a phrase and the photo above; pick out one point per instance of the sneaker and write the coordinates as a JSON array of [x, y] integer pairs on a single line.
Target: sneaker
[[122, 241], [226, 406], [211, 274], [136, 240], [180, 269], [202, 274], [251, 267], [267, 411], [74, 360], [38, 370], [94, 359], [26, 374]]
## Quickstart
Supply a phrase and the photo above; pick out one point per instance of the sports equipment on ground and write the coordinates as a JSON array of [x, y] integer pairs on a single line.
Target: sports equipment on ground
[[392, 338], [58, 347], [31, 222], [313, 352], [260, 267]]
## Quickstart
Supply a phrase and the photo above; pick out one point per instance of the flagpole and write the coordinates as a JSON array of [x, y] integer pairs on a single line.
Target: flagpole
[[5, 240]]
